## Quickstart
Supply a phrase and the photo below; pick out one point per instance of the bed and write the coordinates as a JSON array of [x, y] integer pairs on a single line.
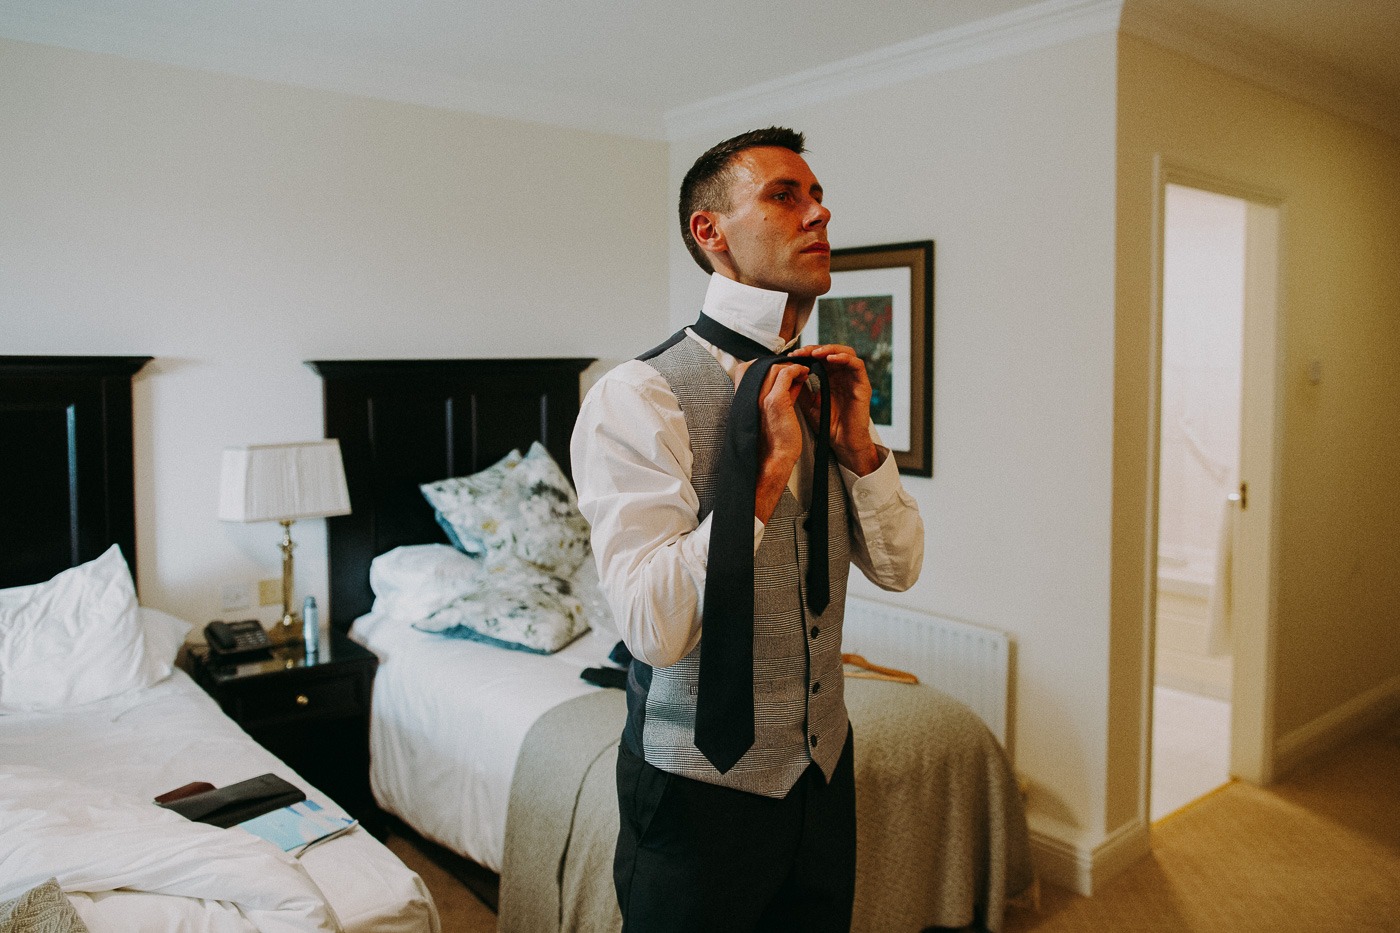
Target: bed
[[505, 758], [95, 719]]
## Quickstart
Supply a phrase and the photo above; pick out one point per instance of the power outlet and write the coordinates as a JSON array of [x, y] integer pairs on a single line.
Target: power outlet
[[234, 597], [270, 592]]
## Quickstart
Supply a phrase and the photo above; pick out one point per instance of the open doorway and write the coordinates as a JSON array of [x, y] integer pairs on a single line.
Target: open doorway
[[1217, 458], [1203, 284]]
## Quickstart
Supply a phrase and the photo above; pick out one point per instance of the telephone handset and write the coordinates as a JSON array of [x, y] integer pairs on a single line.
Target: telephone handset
[[231, 638]]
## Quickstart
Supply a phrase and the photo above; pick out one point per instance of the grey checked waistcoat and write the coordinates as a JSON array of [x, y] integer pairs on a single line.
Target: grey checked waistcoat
[[799, 706]]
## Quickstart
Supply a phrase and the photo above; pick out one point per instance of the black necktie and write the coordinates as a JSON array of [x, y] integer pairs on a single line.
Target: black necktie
[[724, 728]]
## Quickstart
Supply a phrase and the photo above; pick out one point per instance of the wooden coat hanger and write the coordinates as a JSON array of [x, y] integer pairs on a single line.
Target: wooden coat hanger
[[875, 671]]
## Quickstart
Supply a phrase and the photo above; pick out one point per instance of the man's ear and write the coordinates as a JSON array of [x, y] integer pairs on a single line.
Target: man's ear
[[705, 228]]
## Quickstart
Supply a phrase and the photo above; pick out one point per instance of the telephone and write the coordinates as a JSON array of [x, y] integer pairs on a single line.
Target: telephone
[[235, 638]]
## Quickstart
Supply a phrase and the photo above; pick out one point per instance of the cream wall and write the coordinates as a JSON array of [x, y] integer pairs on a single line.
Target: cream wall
[[233, 228], [1008, 167], [1337, 641]]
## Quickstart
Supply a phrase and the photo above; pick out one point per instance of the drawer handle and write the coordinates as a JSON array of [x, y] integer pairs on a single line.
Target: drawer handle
[[303, 700]]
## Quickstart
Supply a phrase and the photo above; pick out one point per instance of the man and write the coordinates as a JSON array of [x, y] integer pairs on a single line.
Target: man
[[762, 838]]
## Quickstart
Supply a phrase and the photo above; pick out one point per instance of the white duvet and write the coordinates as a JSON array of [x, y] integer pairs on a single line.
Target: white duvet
[[96, 841], [94, 723], [449, 719], [101, 763]]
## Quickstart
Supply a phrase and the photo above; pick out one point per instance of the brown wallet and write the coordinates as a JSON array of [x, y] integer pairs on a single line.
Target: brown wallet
[[179, 793]]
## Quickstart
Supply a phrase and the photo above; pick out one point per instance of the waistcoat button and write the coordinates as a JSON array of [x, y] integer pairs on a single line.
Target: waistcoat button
[[815, 632], [814, 740], [816, 687]]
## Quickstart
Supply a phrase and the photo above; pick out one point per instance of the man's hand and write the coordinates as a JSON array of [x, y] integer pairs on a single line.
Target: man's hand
[[849, 387], [779, 434]]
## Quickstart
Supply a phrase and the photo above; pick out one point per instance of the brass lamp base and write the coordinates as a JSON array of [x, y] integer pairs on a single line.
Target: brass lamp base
[[288, 629]]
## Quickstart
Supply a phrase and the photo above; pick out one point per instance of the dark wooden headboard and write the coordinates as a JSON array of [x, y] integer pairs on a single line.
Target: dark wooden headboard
[[66, 467], [402, 423]]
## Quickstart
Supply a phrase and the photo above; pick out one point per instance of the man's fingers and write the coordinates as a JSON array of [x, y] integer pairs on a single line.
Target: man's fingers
[[786, 378], [837, 356], [847, 359], [826, 350], [844, 366]]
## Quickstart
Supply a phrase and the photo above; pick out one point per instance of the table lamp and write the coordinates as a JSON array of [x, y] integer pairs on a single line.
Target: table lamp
[[282, 483]]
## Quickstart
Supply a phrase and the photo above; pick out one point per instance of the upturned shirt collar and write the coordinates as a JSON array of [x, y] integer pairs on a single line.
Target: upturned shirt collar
[[757, 313]]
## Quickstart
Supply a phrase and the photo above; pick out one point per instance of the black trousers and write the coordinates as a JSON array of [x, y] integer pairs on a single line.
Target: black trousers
[[697, 857]]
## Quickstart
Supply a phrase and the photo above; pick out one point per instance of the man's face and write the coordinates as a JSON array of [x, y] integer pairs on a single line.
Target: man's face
[[775, 228]]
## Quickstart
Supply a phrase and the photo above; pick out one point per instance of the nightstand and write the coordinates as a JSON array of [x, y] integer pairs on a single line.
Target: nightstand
[[314, 714]]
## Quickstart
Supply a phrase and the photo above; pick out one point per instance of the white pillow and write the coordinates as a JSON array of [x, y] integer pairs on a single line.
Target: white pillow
[[15, 595], [412, 582], [75, 639], [590, 592], [164, 635]]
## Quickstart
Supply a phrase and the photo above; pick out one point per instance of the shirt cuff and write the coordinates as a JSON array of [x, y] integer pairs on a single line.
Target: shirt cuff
[[876, 489]]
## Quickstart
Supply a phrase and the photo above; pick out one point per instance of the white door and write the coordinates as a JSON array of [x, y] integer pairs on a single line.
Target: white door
[[1252, 580]]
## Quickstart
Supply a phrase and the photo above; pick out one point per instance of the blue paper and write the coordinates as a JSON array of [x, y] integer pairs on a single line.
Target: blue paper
[[297, 826]]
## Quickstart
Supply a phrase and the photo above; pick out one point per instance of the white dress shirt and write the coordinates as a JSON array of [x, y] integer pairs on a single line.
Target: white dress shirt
[[632, 465]]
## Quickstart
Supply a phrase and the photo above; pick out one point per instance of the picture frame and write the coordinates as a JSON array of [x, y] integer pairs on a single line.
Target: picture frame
[[881, 303]]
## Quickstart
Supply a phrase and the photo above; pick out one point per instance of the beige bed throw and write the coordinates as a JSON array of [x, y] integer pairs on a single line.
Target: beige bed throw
[[941, 833]]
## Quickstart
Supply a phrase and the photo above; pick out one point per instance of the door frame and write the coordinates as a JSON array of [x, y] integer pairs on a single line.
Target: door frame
[[1252, 743]]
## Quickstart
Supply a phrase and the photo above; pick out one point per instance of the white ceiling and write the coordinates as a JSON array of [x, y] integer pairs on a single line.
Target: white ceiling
[[616, 65]]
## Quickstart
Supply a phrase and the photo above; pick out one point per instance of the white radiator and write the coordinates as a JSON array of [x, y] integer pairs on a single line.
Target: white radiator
[[967, 662]]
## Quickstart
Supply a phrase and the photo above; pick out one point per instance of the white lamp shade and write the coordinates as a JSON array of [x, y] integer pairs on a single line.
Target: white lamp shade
[[283, 482]]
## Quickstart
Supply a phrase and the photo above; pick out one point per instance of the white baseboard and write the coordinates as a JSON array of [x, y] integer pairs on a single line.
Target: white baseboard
[[1081, 870], [1333, 728]]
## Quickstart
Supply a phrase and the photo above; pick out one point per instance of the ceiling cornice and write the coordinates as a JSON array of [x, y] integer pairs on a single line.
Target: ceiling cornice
[[1041, 25], [260, 59], [1224, 44]]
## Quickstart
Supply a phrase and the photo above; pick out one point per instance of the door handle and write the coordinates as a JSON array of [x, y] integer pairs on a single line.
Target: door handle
[[1241, 497]]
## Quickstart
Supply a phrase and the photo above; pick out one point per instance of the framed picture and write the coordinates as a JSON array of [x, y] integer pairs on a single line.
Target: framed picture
[[881, 303]]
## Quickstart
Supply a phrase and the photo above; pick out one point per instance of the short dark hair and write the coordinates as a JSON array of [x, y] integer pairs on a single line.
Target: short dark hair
[[706, 185]]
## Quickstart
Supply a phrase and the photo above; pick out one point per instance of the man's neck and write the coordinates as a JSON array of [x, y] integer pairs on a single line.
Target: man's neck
[[795, 316]]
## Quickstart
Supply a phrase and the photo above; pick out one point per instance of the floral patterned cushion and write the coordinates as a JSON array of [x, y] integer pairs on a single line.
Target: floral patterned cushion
[[458, 505], [548, 530], [521, 507], [521, 608]]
